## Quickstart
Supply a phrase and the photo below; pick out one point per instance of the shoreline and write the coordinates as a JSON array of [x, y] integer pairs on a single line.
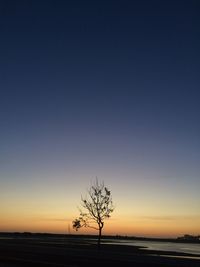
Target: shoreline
[[74, 252], [89, 236]]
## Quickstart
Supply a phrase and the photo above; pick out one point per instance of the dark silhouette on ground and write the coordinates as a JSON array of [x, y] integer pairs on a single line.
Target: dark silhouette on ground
[[78, 236], [190, 238], [67, 250], [97, 206]]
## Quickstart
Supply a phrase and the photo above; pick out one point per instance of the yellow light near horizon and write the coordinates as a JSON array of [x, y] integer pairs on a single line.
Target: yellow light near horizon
[[112, 227], [55, 215]]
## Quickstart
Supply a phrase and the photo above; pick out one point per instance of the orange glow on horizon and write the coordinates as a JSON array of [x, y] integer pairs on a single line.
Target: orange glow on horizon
[[54, 209], [148, 228]]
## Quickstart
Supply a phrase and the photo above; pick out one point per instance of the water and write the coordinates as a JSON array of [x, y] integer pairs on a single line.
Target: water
[[149, 245], [162, 246]]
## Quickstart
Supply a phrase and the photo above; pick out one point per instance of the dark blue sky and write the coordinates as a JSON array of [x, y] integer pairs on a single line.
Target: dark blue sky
[[114, 65], [100, 87], [100, 67]]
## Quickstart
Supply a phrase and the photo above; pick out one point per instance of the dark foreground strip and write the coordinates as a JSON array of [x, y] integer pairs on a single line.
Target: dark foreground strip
[[23, 262]]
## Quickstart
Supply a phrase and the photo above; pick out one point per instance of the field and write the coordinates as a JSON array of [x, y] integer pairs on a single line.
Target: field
[[73, 251]]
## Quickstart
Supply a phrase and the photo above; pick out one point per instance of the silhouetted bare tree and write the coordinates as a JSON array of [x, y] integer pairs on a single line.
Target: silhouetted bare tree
[[98, 206]]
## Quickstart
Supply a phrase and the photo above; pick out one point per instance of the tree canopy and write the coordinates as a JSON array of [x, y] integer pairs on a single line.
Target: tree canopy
[[98, 206]]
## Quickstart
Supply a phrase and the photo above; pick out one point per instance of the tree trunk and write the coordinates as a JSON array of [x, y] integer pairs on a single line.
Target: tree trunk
[[99, 238]]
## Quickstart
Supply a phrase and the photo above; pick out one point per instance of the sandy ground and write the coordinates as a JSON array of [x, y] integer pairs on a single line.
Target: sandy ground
[[76, 252]]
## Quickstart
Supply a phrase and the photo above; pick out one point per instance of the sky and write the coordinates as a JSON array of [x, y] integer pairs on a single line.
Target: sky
[[100, 88]]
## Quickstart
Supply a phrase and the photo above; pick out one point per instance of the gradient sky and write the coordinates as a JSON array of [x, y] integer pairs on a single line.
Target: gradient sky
[[100, 88]]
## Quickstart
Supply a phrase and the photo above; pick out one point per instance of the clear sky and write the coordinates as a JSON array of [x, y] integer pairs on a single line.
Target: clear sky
[[100, 88]]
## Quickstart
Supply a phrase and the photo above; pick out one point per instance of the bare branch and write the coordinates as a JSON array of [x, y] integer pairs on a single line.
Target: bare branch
[[97, 207]]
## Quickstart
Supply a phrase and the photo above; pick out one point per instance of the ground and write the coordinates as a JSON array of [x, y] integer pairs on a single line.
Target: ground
[[75, 252]]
